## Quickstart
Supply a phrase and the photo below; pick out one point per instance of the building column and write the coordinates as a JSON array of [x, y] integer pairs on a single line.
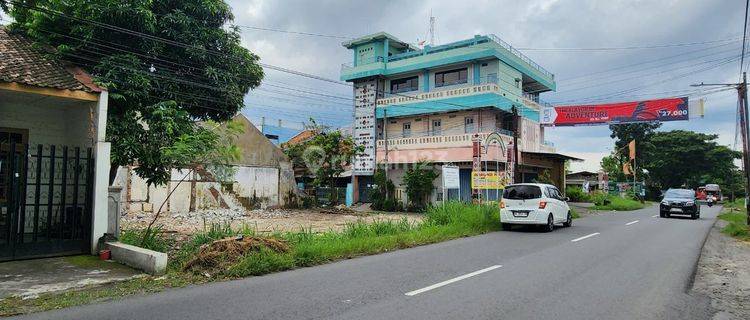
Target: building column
[[477, 79], [100, 210], [426, 81], [385, 50]]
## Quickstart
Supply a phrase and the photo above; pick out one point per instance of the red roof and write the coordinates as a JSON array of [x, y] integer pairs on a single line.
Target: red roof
[[21, 63]]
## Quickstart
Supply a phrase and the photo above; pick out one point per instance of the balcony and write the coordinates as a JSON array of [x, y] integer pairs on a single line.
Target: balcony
[[442, 148], [444, 92]]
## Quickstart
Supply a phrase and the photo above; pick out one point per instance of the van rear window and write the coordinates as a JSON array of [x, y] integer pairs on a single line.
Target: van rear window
[[522, 192]]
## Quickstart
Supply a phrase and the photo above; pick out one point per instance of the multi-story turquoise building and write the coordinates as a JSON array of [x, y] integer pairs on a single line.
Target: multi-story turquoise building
[[430, 104]]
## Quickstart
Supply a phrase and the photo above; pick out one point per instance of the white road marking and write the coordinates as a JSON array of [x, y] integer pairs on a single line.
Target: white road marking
[[447, 282], [631, 222], [585, 237], [654, 216]]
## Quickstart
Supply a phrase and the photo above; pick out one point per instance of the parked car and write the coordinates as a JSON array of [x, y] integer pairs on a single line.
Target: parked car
[[680, 201], [534, 204]]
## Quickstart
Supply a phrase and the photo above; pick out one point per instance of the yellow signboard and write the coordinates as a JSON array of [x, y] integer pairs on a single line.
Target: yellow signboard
[[488, 180]]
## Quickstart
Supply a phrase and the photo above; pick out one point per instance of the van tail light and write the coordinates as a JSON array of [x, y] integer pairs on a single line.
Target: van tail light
[[542, 204], [502, 204]]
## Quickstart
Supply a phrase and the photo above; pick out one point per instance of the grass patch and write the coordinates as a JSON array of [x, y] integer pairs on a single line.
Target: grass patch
[[735, 213], [619, 204], [148, 239], [574, 214], [306, 248]]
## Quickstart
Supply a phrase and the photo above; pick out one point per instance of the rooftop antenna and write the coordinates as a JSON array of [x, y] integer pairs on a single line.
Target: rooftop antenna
[[432, 29]]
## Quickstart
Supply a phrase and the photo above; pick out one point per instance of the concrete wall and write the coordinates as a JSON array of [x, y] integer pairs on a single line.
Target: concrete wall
[[50, 120], [259, 152], [263, 177]]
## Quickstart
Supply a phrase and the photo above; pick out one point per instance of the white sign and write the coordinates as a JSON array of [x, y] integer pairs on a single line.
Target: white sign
[[365, 95], [451, 178]]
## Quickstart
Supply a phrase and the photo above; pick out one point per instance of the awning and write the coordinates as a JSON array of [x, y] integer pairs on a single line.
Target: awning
[[553, 155]]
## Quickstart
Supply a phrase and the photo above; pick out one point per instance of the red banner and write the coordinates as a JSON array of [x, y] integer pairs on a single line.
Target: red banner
[[670, 109]]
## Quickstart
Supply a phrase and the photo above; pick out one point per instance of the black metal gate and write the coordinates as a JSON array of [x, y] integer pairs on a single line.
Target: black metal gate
[[45, 200]]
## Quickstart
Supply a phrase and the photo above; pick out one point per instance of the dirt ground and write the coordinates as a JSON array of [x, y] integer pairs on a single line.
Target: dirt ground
[[723, 274], [272, 220]]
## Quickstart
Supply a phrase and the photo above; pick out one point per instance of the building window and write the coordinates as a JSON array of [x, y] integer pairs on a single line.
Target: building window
[[405, 85], [469, 125], [451, 77], [437, 127], [406, 132]]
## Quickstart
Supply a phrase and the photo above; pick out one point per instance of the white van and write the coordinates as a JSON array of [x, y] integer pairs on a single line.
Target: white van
[[535, 204]]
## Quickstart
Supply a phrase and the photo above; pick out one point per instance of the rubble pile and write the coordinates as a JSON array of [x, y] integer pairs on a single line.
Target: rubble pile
[[219, 254]]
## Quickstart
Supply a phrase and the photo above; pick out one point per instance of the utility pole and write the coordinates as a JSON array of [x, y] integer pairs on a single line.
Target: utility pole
[[385, 143], [745, 156], [516, 124], [744, 130]]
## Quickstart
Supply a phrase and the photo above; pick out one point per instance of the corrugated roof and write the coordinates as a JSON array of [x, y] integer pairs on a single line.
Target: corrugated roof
[[21, 63]]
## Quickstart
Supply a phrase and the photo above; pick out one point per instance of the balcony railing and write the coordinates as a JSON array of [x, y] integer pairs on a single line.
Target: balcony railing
[[347, 67], [440, 141], [457, 90], [520, 55]]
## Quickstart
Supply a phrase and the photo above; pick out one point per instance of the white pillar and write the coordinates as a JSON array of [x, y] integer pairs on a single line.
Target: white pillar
[[100, 209]]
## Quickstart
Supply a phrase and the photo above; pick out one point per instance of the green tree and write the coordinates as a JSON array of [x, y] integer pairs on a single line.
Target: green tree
[[166, 64], [326, 156], [418, 182], [612, 165], [690, 159]]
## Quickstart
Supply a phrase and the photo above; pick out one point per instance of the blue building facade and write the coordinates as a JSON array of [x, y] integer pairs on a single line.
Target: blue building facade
[[430, 103]]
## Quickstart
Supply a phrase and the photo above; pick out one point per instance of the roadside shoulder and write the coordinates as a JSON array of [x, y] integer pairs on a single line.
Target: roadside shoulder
[[723, 274]]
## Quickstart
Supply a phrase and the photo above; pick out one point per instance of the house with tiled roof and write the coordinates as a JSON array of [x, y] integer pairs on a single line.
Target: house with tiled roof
[[54, 161]]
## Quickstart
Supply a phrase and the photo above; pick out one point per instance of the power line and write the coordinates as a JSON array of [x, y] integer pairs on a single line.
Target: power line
[[602, 83], [590, 76], [656, 46], [297, 32]]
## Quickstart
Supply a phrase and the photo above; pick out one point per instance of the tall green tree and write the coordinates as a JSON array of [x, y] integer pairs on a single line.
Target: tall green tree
[[167, 65], [690, 159]]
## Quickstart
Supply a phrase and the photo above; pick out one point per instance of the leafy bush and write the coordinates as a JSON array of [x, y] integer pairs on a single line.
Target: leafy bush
[[383, 197], [576, 194], [600, 198], [418, 180]]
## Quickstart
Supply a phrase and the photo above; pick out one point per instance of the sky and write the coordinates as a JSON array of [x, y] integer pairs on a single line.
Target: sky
[[545, 29], [692, 41]]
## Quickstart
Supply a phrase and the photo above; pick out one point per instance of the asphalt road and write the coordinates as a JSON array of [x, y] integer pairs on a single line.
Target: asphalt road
[[604, 267]]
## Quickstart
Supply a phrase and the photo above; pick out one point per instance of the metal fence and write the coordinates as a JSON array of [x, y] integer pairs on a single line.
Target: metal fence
[[45, 200]]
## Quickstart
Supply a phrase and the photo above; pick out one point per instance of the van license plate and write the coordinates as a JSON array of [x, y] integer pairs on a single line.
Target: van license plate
[[521, 214]]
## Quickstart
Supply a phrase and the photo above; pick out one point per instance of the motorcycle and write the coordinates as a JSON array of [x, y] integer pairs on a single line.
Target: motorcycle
[[710, 201]]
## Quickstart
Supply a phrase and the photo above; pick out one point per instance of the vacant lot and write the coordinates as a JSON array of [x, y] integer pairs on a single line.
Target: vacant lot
[[262, 221]]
